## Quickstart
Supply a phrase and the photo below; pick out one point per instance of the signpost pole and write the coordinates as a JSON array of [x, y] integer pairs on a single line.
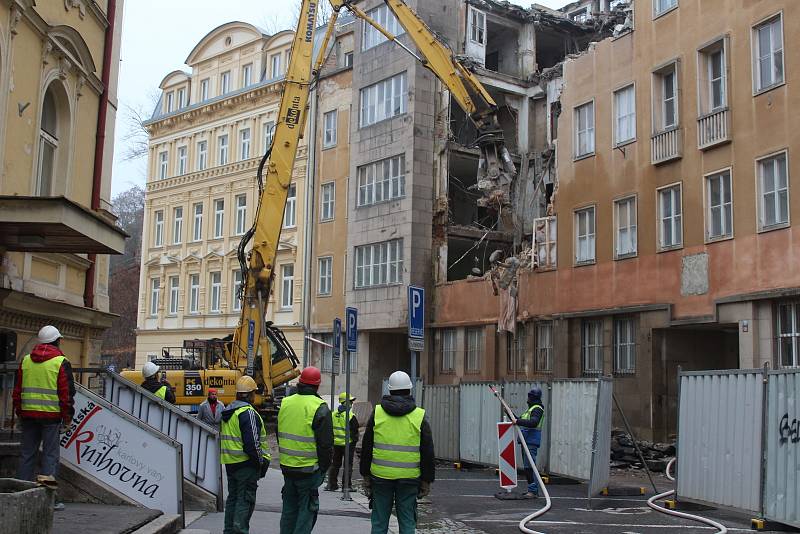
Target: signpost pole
[[416, 329], [335, 353], [351, 317]]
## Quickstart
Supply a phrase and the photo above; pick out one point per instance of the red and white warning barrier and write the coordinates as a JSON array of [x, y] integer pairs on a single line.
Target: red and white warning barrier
[[507, 446]]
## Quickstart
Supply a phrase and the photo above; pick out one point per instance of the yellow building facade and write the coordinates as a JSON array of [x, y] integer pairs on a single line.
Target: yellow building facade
[[209, 131], [58, 99]]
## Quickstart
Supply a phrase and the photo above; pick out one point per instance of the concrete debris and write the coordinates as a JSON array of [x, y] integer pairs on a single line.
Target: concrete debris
[[624, 456]]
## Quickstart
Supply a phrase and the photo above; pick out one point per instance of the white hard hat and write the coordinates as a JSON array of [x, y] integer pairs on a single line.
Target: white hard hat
[[149, 369], [399, 380], [48, 334]]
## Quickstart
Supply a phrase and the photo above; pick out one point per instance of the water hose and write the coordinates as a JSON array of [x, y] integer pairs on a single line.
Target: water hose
[[651, 502]]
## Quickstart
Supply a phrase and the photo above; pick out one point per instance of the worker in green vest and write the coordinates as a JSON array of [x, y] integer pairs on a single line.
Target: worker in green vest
[[44, 399], [245, 454], [305, 442], [339, 435], [155, 383], [397, 458], [531, 422]]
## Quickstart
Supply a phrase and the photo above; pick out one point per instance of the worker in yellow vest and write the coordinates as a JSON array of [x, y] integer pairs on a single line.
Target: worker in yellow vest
[[155, 383], [305, 441], [44, 394], [245, 454], [339, 435], [397, 458]]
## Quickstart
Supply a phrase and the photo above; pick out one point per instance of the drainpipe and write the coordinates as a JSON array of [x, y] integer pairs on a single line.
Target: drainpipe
[[100, 142], [309, 226]]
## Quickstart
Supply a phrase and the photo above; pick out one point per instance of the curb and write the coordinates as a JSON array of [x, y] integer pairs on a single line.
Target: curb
[[163, 524]]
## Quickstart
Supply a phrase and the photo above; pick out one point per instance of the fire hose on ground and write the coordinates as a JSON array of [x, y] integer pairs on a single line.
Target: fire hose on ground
[[651, 502]]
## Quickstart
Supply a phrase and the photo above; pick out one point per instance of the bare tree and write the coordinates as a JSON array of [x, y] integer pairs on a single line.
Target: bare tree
[[136, 137], [324, 12]]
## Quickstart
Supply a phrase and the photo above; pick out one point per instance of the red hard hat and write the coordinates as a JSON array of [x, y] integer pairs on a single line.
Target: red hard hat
[[310, 376]]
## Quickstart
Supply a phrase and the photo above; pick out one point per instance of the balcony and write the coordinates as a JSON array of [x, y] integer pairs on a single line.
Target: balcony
[[666, 146], [713, 129]]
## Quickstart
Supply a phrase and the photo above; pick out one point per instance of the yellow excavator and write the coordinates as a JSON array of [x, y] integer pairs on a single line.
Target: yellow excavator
[[258, 348]]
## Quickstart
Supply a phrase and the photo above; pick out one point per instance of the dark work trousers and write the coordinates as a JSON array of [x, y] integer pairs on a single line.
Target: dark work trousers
[[402, 494], [338, 459], [533, 485], [33, 433], [300, 503], [242, 487]]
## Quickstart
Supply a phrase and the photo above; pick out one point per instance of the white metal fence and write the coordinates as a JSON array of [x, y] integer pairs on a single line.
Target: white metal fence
[[782, 473], [441, 405]]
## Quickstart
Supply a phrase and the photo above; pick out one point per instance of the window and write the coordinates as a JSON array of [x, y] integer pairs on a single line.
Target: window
[[181, 98], [325, 276], [170, 101], [202, 155], [287, 286], [517, 349], [379, 264], [182, 160], [348, 59], [474, 349], [173, 295], [477, 26], [584, 236], [177, 225], [768, 54], [625, 218], [580, 16], [669, 214], [204, 90], [328, 205], [716, 79], [789, 334], [666, 94], [662, 6], [592, 347], [269, 133], [241, 213], [290, 212], [244, 144], [236, 304], [275, 66], [329, 136], [624, 346], [247, 74], [544, 347], [719, 223], [158, 237], [194, 293], [163, 164], [584, 130], [371, 37], [155, 289], [447, 344], [48, 145], [383, 100], [219, 217], [216, 291], [625, 115], [223, 149], [225, 83], [327, 353], [382, 181], [773, 185], [197, 230], [546, 233]]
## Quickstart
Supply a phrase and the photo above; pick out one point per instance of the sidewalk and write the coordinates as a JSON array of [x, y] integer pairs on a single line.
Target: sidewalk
[[335, 515]]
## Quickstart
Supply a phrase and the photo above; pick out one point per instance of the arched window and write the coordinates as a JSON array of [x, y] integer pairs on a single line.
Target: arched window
[[48, 145]]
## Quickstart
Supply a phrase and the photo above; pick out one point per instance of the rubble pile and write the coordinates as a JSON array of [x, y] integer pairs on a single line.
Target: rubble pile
[[624, 456]]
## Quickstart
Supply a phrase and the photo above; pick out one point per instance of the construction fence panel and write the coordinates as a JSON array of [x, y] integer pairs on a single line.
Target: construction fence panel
[[782, 477], [720, 417], [479, 413], [516, 396], [572, 427], [601, 442], [201, 455], [441, 405]]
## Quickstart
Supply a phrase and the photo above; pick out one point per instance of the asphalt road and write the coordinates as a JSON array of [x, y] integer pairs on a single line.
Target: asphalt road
[[463, 502]]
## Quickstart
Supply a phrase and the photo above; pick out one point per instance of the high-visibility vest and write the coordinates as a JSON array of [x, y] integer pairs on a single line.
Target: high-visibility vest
[[40, 385], [231, 442], [533, 436], [339, 427], [161, 392], [297, 445], [395, 453], [528, 414]]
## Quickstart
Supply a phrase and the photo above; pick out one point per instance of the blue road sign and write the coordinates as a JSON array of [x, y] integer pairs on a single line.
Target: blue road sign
[[337, 337], [416, 318], [351, 316]]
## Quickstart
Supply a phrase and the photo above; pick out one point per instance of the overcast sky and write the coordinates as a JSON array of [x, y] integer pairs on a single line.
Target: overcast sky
[[157, 35]]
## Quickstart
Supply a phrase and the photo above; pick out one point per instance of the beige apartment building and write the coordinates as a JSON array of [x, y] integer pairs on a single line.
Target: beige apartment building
[[208, 133], [58, 99]]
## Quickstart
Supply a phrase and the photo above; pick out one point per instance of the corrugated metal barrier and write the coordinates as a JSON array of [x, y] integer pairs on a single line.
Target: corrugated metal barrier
[[601, 442], [479, 414], [516, 395], [441, 405], [572, 430], [782, 477]]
